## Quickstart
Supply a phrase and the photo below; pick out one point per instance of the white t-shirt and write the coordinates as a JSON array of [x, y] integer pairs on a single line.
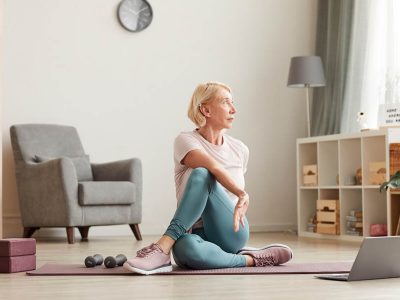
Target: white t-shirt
[[233, 155]]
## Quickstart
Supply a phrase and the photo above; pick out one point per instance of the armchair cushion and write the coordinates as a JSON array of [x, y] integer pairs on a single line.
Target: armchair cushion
[[106, 193], [81, 164]]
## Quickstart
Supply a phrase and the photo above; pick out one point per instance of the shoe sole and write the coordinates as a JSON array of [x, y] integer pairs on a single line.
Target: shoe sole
[[269, 246], [163, 269]]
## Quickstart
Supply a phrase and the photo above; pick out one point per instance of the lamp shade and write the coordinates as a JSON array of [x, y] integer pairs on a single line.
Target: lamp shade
[[306, 71]]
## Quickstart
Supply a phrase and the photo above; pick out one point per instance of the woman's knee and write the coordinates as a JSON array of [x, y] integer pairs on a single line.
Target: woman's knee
[[201, 174]]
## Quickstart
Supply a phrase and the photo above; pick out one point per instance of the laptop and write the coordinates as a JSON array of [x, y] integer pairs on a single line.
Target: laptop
[[378, 258]]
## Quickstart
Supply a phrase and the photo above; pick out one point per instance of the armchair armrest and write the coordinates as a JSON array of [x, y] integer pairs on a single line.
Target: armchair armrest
[[122, 170], [49, 188]]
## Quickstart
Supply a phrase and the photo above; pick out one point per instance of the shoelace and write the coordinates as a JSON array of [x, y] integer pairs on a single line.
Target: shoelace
[[265, 260], [147, 250]]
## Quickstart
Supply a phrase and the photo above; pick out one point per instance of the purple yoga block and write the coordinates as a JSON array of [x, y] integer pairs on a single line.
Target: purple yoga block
[[14, 264], [17, 247]]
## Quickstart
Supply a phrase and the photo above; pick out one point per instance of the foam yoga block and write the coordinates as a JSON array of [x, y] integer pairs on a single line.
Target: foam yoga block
[[14, 264], [17, 255], [17, 247]]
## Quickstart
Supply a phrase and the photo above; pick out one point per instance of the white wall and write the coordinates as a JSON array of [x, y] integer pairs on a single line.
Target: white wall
[[70, 62], [1, 97]]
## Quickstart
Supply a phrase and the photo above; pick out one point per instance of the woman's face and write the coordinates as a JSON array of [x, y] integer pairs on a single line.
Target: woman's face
[[220, 110]]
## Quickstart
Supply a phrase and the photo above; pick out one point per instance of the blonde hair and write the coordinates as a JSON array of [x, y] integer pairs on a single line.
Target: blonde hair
[[203, 93]]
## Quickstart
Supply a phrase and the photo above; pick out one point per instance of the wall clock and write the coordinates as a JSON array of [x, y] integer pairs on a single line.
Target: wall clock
[[135, 15]]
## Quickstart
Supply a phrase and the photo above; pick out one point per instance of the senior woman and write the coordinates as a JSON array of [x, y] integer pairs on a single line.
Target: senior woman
[[209, 228]]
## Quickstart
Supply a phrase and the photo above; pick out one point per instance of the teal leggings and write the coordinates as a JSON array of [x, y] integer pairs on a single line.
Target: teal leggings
[[215, 244]]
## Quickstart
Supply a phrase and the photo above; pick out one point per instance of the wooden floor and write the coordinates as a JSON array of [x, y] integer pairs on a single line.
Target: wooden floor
[[21, 286]]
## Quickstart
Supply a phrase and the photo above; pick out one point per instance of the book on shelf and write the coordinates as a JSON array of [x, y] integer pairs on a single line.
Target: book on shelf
[[354, 224], [356, 213], [311, 227], [353, 219]]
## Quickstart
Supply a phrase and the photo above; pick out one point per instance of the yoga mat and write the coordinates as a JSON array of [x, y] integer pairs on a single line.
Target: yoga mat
[[290, 268]]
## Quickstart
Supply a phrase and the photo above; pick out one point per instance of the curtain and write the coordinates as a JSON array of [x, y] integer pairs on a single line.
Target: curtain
[[335, 18]]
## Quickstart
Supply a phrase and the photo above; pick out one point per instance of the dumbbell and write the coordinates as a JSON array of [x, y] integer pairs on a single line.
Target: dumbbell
[[112, 262], [92, 261]]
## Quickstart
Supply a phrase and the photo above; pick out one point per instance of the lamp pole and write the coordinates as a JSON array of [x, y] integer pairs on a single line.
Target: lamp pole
[[307, 85], [306, 72]]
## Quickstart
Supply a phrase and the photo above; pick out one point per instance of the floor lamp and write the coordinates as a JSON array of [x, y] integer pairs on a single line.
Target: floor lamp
[[306, 72]]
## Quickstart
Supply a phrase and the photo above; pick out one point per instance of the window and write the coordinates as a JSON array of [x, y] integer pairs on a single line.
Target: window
[[376, 39]]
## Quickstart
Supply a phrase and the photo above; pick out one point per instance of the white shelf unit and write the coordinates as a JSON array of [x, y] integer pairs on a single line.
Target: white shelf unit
[[337, 158]]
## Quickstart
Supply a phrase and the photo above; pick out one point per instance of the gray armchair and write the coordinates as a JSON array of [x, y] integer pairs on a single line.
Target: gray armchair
[[59, 187]]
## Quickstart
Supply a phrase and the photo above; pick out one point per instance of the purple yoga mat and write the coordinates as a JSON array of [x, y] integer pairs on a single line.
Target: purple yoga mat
[[290, 268]]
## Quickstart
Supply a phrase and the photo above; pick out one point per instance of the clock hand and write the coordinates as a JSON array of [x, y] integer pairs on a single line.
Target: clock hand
[[133, 11], [142, 9]]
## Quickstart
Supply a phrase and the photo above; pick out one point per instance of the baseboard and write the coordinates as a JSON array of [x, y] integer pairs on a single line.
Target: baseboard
[[12, 227], [273, 227]]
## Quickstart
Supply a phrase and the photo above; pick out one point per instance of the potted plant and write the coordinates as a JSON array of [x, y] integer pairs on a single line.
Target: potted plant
[[393, 183]]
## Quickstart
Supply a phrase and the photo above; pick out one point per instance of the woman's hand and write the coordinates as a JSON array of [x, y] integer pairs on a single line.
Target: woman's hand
[[240, 211]]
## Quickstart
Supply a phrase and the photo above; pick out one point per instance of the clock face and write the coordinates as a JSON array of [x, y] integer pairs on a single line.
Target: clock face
[[135, 15]]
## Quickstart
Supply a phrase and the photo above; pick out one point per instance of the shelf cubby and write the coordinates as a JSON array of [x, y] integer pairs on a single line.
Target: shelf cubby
[[308, 206], [307, 156], [350, 200], [328, 163], [394, 213], [350, 161], [375, 209], [374, 150]]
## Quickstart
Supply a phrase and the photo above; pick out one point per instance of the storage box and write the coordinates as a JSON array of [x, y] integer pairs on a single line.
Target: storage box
[[376, 173], [12, 264], [378, 230], [377, 179], [310, 180], [17, 255], [17, 247], [310, 170], [328, 216], [327, 205], [327, 228], [310, 177], [394, 161]]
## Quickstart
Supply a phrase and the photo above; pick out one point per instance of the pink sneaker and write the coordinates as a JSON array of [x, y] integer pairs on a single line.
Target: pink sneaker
[[271, 255], [149, 260]]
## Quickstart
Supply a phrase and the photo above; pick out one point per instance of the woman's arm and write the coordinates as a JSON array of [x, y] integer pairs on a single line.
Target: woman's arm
[[199, 159]]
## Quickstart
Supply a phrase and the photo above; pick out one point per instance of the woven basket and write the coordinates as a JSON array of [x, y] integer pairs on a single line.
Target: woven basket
[[394, 153]]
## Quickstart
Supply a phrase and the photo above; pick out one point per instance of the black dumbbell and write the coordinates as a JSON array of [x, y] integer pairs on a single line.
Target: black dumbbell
[[92, 261], [112, 262]]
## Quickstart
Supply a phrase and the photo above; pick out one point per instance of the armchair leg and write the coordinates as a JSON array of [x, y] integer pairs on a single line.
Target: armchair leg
[[29, 231], [70, 235], [84, 231], [136, 231]]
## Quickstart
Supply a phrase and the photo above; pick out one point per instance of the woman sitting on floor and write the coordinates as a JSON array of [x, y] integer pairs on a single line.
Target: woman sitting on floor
[[209, 228]]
